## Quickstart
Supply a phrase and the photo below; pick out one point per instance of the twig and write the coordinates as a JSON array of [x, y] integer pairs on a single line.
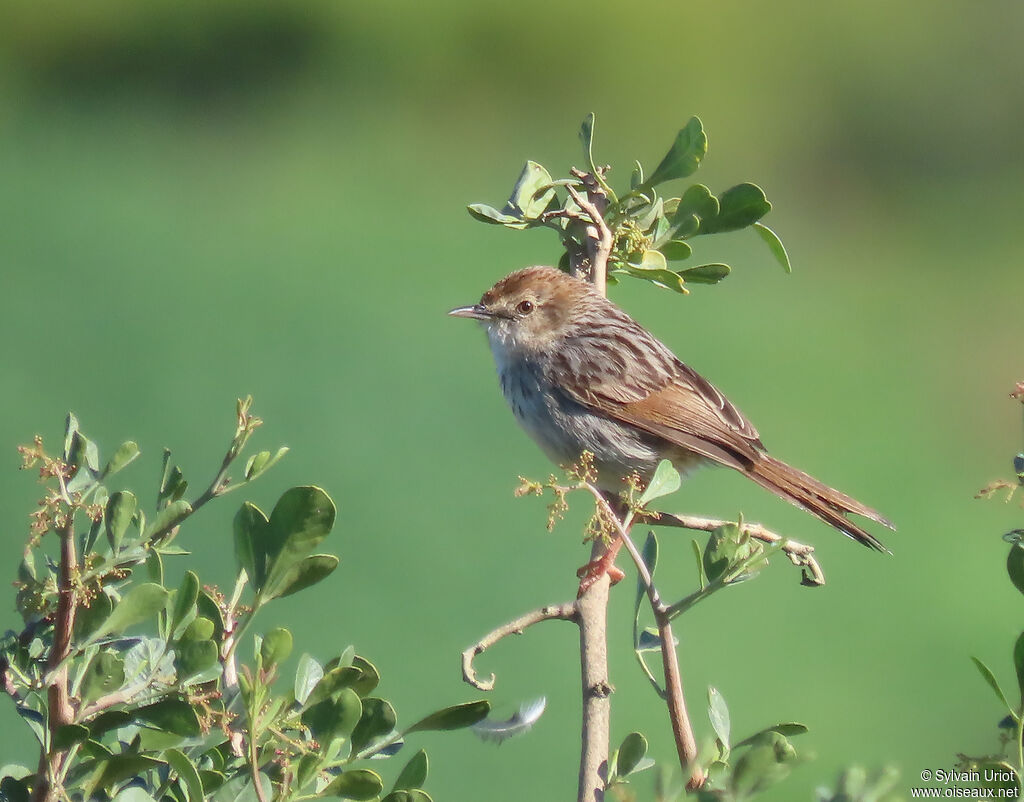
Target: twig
[[682, 730], [564, 612], [59, 703], [800, 554], [596, 685], [599, 238]]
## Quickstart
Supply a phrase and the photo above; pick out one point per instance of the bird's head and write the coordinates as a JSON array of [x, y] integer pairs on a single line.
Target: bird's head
[[530, 310]]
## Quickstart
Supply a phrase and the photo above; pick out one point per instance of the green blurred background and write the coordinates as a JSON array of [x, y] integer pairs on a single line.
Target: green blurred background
[[203, 200]]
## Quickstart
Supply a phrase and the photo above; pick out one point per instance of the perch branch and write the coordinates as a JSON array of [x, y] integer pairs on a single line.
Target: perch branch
[[799, 554], [682, 730], [564, 612]]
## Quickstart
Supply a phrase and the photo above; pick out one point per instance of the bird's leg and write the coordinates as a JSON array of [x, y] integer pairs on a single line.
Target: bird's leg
[[602, 558]]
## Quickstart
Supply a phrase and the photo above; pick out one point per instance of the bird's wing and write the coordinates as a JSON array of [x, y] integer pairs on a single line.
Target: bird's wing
[[663, 396]]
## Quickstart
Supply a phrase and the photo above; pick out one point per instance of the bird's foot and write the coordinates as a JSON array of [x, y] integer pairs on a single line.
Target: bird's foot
[[596, 568]]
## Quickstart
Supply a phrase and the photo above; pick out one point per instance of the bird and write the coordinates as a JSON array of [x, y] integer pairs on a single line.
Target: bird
[[581, 375]]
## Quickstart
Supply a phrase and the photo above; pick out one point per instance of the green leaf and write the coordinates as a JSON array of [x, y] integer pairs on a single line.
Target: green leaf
[[587, 139], [171, 715], [307, 674], [664, 482], [88, 619], [301, 519], [684, 157], [276, 647], [108, 720], [169, 517], [412, 795], [774, 245], [739, 206], [1018, 662], [103, 675], [453, 718], [706, 274], [259, 464], [649, 270], [676, 250], [121, 767], [67, 736], [139, 604], [335, 717], [185, 601], [377, 720], [118, 515], [697, 202], [209, 609], [188, 774], [369, 676], [636, 178], [488, 214], [84, 457], [532, 193], [125, 454], [300, 575], [14, 789], [355, 784], [993, 683], [133, 793], [414, 774], [194, 659], [240, 789], [787, 728], [650, 558], [702, 579], [1015, 566], [70, 430], [718, 713], [251, 535], [632, 751]]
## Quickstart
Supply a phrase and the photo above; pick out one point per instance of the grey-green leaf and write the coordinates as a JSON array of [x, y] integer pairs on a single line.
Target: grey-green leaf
[[139, 604], [775, 245], [631, 752], [532, 193], [453, 718], [676, 250], [993, 683], [276, 647], [171, 715], [685, 155], [414, 774], [1015, 566], [378, 719], [300, 575], [718, 713], [488, 214], [706, 274], [185, 600], [307, 674], [335, 717], [103, 675], [357, 784], [739, 206], [251, 535], [1018, 662], [169, 517], [118, 515], [187, 772], [125, 454], [664, 482]]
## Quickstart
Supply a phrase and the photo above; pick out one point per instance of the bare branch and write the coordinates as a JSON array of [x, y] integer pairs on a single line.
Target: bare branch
[[599, 238], [682, 730], [799, 554], [564, 612], [596, 685]]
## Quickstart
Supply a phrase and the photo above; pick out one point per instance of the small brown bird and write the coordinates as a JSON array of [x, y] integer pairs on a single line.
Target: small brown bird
[[582, 375]]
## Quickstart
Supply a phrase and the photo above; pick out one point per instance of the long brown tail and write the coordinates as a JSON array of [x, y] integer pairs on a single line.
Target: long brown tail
[[819, 499]]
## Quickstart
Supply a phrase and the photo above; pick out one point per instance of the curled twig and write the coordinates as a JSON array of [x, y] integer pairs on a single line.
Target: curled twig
[[564, 612]]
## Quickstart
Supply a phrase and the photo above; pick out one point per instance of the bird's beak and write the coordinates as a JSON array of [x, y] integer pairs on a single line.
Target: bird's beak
[[476, 311]]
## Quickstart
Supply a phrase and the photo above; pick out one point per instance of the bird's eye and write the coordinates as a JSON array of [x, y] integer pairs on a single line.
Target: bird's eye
[[524, 307]]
